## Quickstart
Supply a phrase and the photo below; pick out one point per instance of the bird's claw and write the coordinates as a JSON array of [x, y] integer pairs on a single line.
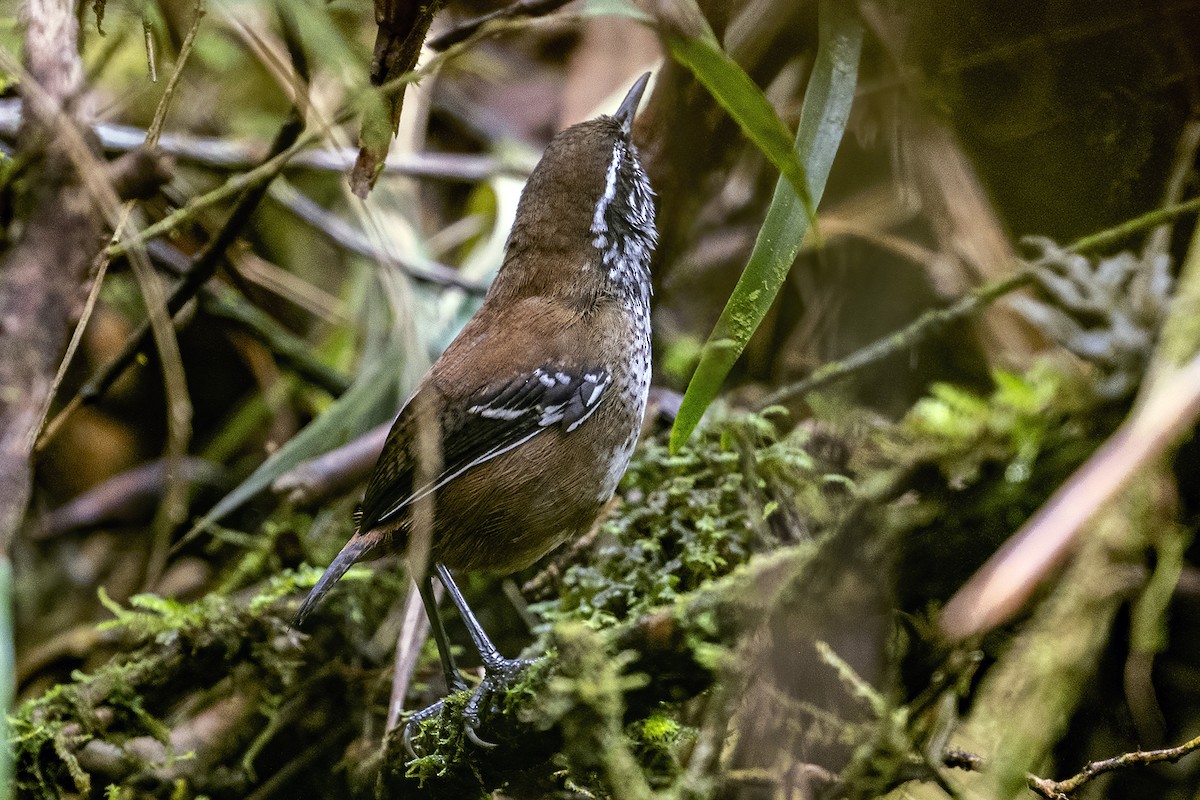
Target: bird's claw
[[414, 722], [498, 676], [469, 730]]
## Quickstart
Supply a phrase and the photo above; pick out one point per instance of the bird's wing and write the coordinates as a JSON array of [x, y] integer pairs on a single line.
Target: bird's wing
[[493, 420]]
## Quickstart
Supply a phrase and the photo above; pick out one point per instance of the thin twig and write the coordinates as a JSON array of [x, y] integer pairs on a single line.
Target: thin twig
[[89, 306], [980, 298], [1057, 790], [232, 154], [906, 337], [185, 49], [413, 632], [521, 8], [342, 233], [289, 351], [202, 269], [1110, 236], [148, 41], [1182, 166]]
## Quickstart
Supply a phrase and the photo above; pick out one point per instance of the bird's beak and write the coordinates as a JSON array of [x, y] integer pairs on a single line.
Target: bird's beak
[[629, 105]]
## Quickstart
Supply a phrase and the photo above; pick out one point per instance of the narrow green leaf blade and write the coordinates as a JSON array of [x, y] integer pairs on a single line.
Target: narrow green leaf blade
[[694, 45], [822, 123]]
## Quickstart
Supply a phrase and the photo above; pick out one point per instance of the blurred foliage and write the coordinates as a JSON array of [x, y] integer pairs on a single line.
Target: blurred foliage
[[823, 117], [682, 633], [1025, 415]]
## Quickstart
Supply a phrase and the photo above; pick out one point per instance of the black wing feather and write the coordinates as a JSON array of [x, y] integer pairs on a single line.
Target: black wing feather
[[495, 419]]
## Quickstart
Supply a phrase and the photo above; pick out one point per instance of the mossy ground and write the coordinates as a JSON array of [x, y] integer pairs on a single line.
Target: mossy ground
[[689, 527]]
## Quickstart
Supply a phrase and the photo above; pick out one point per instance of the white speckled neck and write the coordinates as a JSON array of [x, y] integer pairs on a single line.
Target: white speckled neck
[[623, 226]]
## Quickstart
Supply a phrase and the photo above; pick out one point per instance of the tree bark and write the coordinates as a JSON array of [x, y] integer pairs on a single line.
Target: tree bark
[[41, 274]]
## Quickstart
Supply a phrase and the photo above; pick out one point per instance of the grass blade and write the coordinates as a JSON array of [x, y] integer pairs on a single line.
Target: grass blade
[[694, 45], [822, 123]]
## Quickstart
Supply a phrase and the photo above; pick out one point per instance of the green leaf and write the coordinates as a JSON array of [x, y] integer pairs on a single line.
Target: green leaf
[[694, 45], [822, 123]]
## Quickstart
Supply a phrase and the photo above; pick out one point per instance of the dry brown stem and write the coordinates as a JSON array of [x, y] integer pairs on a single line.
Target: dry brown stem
[[333, 472]]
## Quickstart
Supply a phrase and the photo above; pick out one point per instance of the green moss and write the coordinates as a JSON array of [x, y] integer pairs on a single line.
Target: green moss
[[736, 488], [983, 465], [169, 645], [656, 742], [440, 742], [685, 523]]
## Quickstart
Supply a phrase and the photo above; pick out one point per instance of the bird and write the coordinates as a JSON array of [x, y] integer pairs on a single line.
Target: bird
[[521, 430]]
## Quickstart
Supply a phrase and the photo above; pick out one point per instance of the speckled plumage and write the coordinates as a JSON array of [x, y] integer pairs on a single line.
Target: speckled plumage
[[539, 400]]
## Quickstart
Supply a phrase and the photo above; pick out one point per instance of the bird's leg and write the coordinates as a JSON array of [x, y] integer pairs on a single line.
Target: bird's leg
[[454, 680], [487, 651], [498, 671]]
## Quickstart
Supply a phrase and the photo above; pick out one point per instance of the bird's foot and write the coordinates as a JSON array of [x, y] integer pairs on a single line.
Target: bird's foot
[[413, 724], [498, 676]]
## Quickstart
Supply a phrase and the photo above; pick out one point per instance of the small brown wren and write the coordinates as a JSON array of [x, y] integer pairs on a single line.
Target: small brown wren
[[539, 400]]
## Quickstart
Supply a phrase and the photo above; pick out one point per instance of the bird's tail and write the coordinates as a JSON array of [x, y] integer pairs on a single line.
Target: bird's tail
[[359, 545]]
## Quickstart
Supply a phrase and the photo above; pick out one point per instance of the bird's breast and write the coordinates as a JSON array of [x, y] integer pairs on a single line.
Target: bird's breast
[[630, 403]]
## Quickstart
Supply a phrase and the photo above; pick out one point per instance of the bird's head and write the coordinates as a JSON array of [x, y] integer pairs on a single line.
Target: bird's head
[[586, 216]]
